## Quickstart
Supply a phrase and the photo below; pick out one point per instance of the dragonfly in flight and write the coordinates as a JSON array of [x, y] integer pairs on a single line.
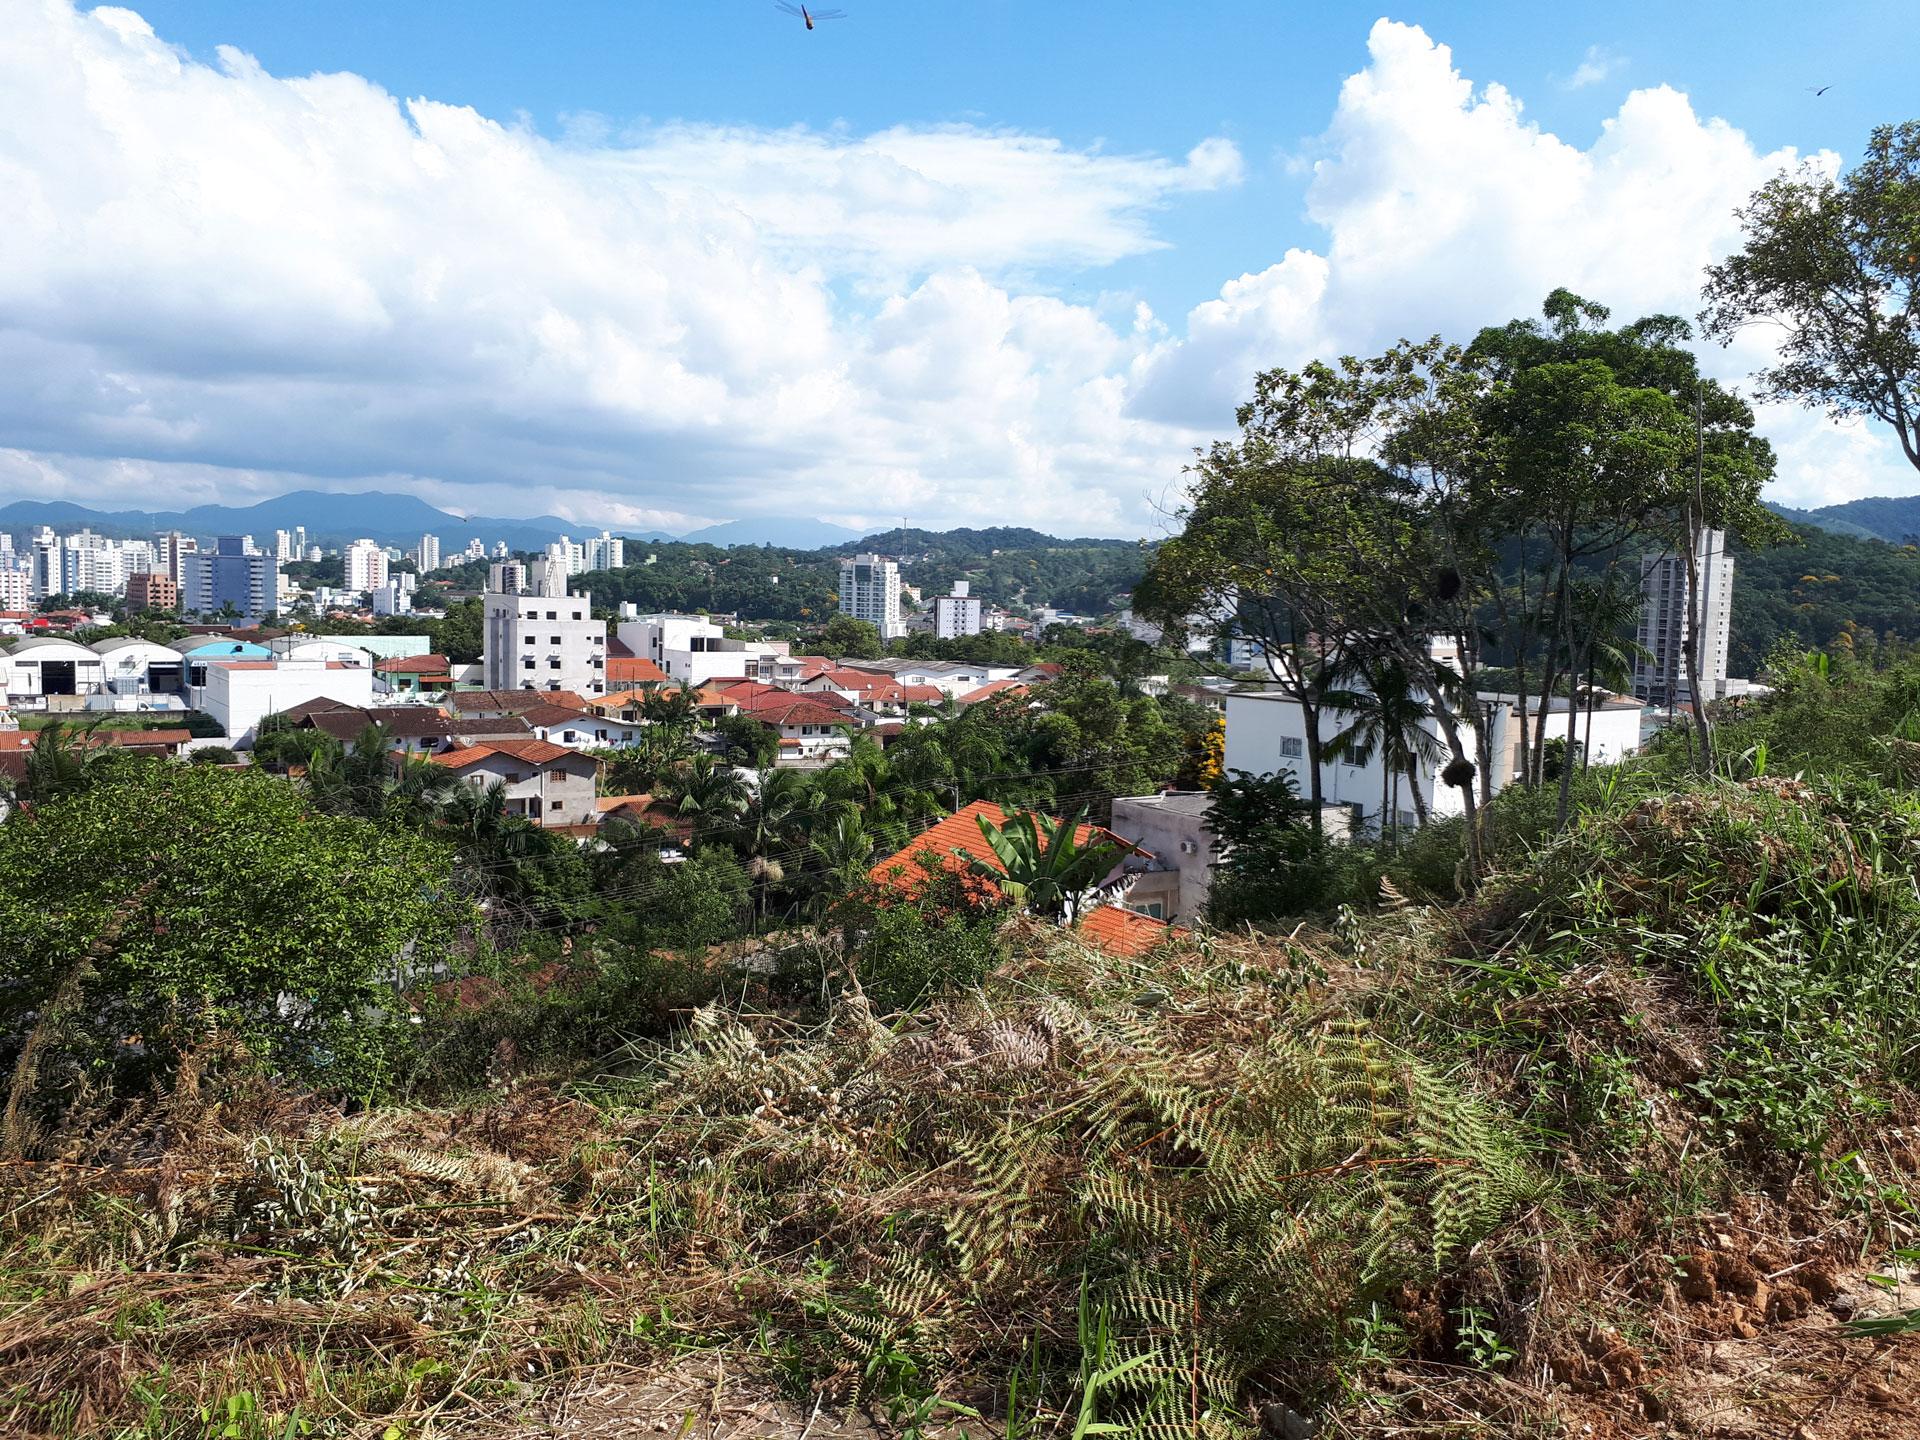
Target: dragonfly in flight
[[801, 12]]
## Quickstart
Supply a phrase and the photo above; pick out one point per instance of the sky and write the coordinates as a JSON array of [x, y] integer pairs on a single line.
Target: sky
[[657, 265]]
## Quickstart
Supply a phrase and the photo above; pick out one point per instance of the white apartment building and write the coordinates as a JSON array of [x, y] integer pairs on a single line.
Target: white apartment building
[[172, 552], [870, 591], [285, 547], [366, 566], [693, 650], [16, 580], [507, 577], [957, 614], [537, 641], [605, 551], [1664, 629], [427, 556]]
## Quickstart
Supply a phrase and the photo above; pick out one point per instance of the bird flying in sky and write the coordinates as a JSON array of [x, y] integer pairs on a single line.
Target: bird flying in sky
[[801, 12]]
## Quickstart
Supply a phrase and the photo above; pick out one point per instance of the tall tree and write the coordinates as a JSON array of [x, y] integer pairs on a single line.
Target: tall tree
[[1835, 266]]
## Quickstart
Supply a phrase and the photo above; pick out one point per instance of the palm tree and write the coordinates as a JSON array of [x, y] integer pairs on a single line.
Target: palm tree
[[780, 806], [671, 706], [62, 761], [1391, 715], [706, 792], [845, 853], [1044, 865]]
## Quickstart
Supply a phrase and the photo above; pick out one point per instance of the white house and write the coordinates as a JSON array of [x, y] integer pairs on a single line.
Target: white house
[[1266, 733], [581, 729], [548, 784], [240, 693], [1174, 874], [692, 649]]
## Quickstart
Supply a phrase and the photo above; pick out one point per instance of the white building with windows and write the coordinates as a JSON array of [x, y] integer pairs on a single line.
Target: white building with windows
[[605, 551], [366, 567], [957, 614], [1661, 678], [693, 649], [1267, 733], [427, 556], [537, 641], [870, 591]]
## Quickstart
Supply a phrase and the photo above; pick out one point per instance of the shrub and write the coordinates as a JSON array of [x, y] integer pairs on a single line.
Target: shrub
[[165, 906]]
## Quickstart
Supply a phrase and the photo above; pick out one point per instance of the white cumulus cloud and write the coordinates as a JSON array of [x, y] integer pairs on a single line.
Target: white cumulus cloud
[[217, 281]]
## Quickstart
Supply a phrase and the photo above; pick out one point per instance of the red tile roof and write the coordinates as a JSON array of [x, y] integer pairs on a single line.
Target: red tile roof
[[413, 665], [534, 752], [634, 670], [796, 710], [513, 702], [960, 831], [1124, 932], [991, 689]]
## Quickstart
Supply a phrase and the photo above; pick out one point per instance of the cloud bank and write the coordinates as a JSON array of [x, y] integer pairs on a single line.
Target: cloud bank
[[216, 281]]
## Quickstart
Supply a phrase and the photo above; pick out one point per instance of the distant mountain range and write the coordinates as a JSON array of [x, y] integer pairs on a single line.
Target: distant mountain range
[[1893, 518], [334, 519]]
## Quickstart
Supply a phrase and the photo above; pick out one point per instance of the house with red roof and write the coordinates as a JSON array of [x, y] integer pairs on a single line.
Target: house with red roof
[[956, 842], [412, 674], [548, 784], [810, 732]]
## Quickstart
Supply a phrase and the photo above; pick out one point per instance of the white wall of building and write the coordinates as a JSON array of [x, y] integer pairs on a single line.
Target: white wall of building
[[239, 694], [870, 591], [545, 642], [957, 614], [693, 650]]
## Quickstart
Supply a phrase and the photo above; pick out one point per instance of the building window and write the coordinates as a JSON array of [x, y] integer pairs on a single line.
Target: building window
[[554, 641], [553, 664], [553, 805], [1154, 909], [528, 663], [1292, 747], [513, 777], [576, 614]]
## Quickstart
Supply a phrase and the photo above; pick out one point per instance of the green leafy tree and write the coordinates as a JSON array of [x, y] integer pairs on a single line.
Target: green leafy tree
[[237, 914], [746, 741], [1831, 268], [846, 638]]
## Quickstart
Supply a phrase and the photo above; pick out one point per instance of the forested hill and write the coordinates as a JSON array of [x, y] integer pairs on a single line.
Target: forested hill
[[1017, 568], [1825, 586], [1894, 518]]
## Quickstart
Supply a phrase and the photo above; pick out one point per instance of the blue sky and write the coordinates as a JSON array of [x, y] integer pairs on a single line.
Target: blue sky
[[670, 263], [1128, 75]]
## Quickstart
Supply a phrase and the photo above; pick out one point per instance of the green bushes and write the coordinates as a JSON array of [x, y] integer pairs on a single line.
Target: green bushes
[[1792, 912], [165, 910]]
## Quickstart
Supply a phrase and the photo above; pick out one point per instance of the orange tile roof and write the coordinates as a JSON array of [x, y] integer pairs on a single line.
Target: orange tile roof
[[961, 831], [413, 665], [534, 752], [1124, 932], [634, 670], [991, 689]]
